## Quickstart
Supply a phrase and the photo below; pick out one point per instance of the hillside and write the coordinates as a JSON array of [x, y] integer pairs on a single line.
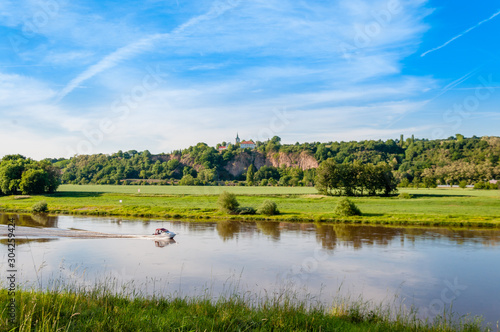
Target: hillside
[[447, 161]]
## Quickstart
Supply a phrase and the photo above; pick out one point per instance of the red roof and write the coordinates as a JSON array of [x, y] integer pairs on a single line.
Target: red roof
[[247, 142]]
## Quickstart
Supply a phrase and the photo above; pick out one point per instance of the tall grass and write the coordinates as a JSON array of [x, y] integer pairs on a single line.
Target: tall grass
[[69, 308]]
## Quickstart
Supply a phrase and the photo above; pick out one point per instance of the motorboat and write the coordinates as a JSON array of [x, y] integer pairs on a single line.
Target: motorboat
[[164, 233]]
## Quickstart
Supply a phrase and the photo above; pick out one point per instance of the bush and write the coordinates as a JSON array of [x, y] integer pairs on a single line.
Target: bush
[[480, 185], [346, 208], [246, 210], [40, 207], [462, 184], [227, 202], [269, 208], [405, 196]]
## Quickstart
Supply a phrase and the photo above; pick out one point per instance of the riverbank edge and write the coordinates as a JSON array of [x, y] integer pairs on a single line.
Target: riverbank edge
[[406, 220], [100, 310]]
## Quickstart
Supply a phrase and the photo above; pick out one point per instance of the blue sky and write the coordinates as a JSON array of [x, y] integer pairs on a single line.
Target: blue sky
[[100, 76]]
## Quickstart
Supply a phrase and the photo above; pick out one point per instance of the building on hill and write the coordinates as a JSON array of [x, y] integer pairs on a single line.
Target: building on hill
[[237, 139], [222, 147], [247, 144]]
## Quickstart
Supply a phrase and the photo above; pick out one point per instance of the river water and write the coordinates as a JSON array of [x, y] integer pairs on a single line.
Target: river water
[[429, 268]]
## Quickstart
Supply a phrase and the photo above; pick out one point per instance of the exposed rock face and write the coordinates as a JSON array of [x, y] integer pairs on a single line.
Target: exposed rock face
[[241, 162], [302, 160]]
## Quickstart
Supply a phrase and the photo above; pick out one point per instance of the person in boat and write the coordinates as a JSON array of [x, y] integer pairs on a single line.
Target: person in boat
[[160, 231]]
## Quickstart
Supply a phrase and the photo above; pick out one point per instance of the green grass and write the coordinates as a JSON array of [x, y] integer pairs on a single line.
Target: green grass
[[100, 310], [188, 190], [456, 207]]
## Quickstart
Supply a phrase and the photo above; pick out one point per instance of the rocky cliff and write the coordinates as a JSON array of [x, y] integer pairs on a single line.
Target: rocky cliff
[[239, 164]]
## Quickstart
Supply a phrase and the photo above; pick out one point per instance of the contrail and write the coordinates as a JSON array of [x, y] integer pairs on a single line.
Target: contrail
[[460, 35], [142, 45]]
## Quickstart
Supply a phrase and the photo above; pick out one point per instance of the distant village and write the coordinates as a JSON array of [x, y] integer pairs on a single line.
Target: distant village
[[242, 144]]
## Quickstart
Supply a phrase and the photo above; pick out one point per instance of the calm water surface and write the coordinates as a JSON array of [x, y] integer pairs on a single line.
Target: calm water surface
[[428, 267]]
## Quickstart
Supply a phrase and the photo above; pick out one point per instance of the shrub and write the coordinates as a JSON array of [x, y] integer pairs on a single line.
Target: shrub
[[405, 196], [462, 184], [269, 208], [480, 185], [246, 210], [40, 207], [227, 202], [346, 208]]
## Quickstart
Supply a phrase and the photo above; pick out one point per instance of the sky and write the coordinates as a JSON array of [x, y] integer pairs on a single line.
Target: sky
[[84, 77]]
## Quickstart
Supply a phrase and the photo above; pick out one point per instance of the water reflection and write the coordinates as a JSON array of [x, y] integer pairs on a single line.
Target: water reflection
[[329, 236], [164, 243], [21, 241], [271, 229], [30, 220]]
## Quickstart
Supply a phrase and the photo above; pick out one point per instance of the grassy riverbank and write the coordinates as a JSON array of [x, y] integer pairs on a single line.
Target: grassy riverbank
[[456, 207], [98, 310]]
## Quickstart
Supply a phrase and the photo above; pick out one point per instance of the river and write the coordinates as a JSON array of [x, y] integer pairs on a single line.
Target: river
[[429, 268]]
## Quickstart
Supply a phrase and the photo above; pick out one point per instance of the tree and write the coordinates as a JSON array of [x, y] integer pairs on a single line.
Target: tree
[[206, 175], [250, 175], [11, 172], [28, 176], [327, 177], [33, 181]]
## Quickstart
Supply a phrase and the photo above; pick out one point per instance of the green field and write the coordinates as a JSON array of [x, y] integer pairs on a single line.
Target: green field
[[188, 190], [458, 207]]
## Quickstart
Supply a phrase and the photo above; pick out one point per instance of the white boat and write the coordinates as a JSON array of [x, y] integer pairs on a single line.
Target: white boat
[[164, 233]]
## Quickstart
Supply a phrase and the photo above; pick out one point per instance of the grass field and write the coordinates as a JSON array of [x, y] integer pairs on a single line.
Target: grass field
[[188, 190], [458, 207], [100, 310]]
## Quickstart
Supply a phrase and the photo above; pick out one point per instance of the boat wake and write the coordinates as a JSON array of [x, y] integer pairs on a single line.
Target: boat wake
[[21, 231]]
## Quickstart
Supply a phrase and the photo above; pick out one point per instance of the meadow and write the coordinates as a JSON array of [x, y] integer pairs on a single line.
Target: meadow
[[101, 310], [456, 207]]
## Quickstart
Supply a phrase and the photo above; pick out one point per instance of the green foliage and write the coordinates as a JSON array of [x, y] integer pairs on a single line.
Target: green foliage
[[463, 184], [415, 162], [227, 202], [269, 208], [19, 174], [346, 208], [485, 185], [430, 182], [40, 207], [354, 179], [250, 175], [188, 180], [405, 196]]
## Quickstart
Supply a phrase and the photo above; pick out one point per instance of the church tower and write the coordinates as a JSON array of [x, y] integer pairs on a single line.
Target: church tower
[[237, 139]]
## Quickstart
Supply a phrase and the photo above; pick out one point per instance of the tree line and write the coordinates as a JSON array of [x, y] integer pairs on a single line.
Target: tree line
[[413, 162], [355, 179]]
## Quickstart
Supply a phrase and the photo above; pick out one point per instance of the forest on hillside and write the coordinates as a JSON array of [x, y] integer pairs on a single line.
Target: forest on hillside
[[413, 162]]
